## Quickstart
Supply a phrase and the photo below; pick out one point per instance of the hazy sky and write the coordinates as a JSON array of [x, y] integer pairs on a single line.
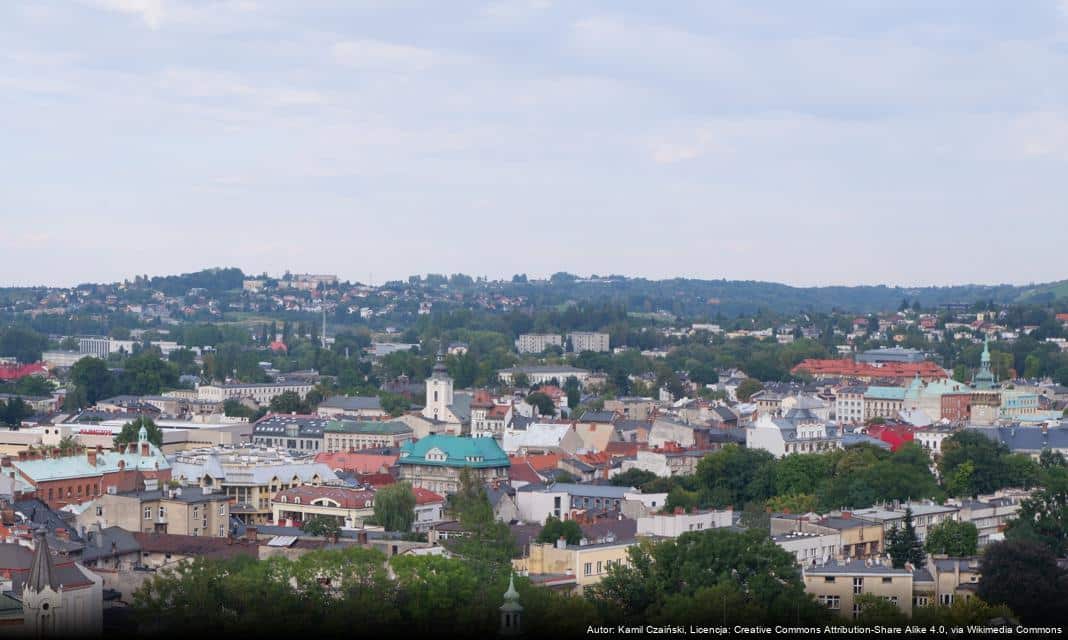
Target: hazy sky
[[896, 141]]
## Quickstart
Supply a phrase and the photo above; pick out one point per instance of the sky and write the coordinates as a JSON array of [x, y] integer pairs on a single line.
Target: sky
[[861, 142]]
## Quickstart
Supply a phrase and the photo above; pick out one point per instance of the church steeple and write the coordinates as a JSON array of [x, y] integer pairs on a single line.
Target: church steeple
[[984, 378], [511, 612], [42, 571]]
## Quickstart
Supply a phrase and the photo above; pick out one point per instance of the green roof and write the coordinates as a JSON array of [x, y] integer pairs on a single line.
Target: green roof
[[454, 451], [371, 427], [885, 393]]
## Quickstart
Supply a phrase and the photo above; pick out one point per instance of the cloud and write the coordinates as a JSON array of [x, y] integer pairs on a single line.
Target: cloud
[[514, 10], [377, 55], [155, 12], [1043, 133], [151, 11], [196, 83]]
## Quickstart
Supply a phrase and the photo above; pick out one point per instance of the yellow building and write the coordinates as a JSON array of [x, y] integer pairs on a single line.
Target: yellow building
[[588, 563], [836, 585], [185, 511]]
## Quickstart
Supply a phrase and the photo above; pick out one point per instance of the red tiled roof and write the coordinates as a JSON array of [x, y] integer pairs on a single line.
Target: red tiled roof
[[425, 496], [539, 462], [278, 345], [16, 371], [205, 546], [376, 480], [895, 435], [848, 368], [357, 462], [523, 472], [345, 497], [625, 449]]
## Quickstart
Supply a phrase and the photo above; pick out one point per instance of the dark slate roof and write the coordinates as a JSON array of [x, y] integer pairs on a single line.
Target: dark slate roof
[[724, 413], [277, 424], [109, 543], [42, 515], [598, 416], [42, 570], [1026, 438], [461, 407], [352, 403]]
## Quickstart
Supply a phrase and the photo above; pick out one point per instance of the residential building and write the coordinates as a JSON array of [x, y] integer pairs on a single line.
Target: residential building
[[303, 433], [631, 408], [186, 511], [799, 431], [588, 564], [366, 407], [60, 480], [540, 438], [250, 475], [429, 509], [541, 374], [349, 435], [537, 342], [346, 506], [891, 354], [262, 394], [883, 402], [588, 341], [924, 515], [835, 585], [809, 547], [991, 514], [435, 462], [846, 368], [559, 500], [849, 404], [673, 525]]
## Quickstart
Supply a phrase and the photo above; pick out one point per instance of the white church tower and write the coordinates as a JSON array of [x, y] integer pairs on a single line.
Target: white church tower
[[42, 601], [438, 390]]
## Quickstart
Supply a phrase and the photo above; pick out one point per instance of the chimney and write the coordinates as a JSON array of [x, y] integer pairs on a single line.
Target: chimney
[[250, 534], [561, 542], [846, 515], [90, 456]]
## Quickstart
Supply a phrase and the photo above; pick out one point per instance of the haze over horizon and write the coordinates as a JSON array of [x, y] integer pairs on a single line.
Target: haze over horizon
[[803, 143]]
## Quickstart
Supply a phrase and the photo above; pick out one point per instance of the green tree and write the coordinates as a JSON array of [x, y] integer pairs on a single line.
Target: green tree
[[574, 392], [747, 388], [92, 380], [25, 345], [555, 529], [633, 478], [876, 610], [903, 544], [146, 374], [14, 411], [748, 569], [33, 386], [395, 506], [288, 402], [130, 431], [1024, 576], [543, 403], [394, 404], [323, 526], [952, 538], [1043, 517]]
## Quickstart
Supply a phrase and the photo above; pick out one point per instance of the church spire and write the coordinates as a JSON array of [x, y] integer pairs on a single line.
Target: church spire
[[984, 378], [42, 570], [511, 611]]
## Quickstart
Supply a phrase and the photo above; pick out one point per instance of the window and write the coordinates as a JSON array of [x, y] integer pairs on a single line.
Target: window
[[887, 580], [856, 611], [100, 511], [946, 599], [589, 568], [919, 601], [148, 513], [162, 512], [600, 567], [858, 585], [196, 532], [828, 578], [831, 602], [892, 600]]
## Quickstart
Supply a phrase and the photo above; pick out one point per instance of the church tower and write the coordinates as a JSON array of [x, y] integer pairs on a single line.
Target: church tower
[[438, 390], [984, 378], [41, 598], [511, 612]]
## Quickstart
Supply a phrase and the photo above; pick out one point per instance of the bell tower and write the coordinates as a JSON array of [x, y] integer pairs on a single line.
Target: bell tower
[[438, 390]]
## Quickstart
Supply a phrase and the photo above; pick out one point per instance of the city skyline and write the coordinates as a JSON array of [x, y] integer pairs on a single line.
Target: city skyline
[[809, 145]]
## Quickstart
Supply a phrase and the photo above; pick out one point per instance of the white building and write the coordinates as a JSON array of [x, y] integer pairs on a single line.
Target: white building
[[588, 341], [672, 525], [59, 599], [261, 393], [810, 548], [541, 374], [537, 342], [439, 391], [542, 438], [799, 431]]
